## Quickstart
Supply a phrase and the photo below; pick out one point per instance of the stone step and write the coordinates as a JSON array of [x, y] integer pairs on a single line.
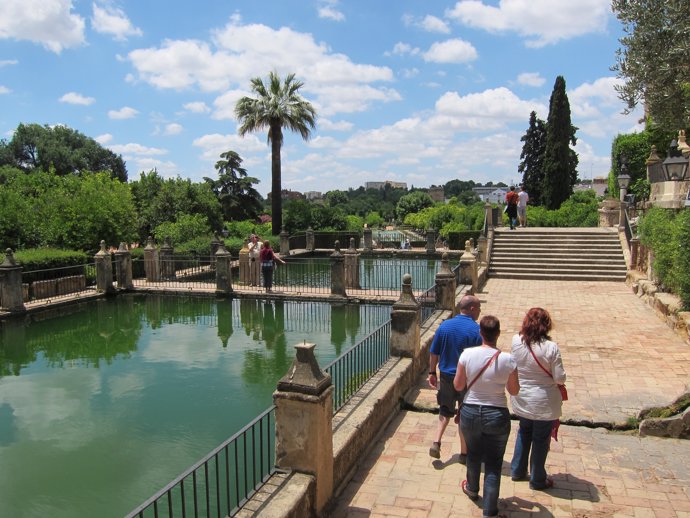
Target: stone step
[[557, 276], [583, 240], [556, 250], [570, 265]]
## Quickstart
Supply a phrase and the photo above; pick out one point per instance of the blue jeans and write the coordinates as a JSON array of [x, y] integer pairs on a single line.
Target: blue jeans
[[534, 435], [486, 430]]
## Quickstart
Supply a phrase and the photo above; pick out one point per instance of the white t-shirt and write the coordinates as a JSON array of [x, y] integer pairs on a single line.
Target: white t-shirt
[[523, 198], [539, 398], [489, 389], [255, 249]]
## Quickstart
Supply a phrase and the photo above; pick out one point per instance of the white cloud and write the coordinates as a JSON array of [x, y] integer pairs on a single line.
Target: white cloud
[[104, 139], [542, 22], [402, 49], [409, 73], [240, 52], [173, 129], [50, 23], [137, 149], [531, 79], [4, 90], [499, 103], [107, 19], [6, 62], [451, 51], [603, 90], [214, 144], [329, 125], [197, 107], [123, 113], [328, 10], [224, 105], [434, 24], [75, 98]]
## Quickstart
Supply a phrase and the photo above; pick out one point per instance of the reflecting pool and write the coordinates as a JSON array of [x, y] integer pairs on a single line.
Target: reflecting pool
[[102, 407]]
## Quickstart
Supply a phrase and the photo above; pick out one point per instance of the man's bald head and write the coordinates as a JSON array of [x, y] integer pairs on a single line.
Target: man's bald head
[[469, 305]]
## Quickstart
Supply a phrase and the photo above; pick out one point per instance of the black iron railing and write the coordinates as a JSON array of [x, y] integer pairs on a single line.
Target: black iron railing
[[354, 368], [427, 302], [312, 275], [220, 483], [56, 283]]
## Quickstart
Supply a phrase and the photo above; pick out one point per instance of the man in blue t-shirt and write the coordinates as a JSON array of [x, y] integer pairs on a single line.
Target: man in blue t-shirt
[[451, 338]]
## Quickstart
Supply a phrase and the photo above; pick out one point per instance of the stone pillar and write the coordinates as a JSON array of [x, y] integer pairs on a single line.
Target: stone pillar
[[304, 429], [430, 241], [167, 261], [215, 244], [621, 214], [245, 267], [482, 249], [123, 267], [489, 215], [310, 239], [405, 322], [11, 295], [368, 242], [284, 243], [104, 270], [337, 272], [352, 267], [468, 269], [445, 286], [151, 262], [223, 270], [634, 253]]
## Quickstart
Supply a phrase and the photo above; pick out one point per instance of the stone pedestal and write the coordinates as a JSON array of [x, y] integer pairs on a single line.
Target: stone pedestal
[[352, 267], [123, 267], [488, 214], [482, 256], [310, 239], [151, 262], [11, 295], [284, 243], [337, 272], [167, 261], [215, 244], [445, 286], [609, 213], [469, 272], [430, 242], [368, 241], [245, 267], [304, 414], [104, 270], [405, 322], [223, 270]]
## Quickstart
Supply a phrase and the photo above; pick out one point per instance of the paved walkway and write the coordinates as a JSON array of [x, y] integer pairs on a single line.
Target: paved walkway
[[619, 356]]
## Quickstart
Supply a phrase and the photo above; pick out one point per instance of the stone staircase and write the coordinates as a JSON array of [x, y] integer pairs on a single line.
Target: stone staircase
[[583, 254]]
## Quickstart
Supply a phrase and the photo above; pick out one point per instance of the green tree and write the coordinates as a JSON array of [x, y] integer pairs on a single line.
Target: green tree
[[277, 105], [234, 189], [413, 202], [60, 149], [560, 162], [457, 187], [337, 198], [532, 158], [653, 58]]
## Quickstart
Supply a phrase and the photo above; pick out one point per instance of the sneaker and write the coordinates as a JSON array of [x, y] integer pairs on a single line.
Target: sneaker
[[435, 450], [462, 459]]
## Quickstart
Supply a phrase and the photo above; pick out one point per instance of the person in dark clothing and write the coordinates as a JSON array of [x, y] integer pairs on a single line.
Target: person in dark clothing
[[268, 260], [512, 199]]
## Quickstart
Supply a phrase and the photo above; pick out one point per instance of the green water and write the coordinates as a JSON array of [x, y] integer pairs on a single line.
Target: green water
[[102, 407]]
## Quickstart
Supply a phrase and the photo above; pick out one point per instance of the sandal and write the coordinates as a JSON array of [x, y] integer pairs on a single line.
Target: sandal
[[472, 495]]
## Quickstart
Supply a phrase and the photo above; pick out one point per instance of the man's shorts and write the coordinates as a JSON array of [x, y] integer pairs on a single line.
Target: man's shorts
[[447, 397], [522, 211]]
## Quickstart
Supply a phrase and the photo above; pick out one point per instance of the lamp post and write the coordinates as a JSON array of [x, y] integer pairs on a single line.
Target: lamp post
[[676, 165], [623, 182]]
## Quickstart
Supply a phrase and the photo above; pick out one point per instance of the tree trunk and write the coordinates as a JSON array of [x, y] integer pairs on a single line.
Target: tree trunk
[[276, 197]]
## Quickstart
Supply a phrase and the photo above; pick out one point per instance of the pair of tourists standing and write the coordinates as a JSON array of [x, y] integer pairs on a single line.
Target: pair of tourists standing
[[482, 376]]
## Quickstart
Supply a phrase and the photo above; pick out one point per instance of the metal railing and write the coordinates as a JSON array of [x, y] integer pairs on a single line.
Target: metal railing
[[383, 276], [629, 234], [190, 272], [356, 366], [312, 275], [56, 283], [220, 483], [427, 301]]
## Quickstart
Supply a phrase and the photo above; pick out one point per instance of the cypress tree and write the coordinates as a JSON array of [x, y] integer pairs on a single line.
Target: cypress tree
[[560, 162], [532, 158]]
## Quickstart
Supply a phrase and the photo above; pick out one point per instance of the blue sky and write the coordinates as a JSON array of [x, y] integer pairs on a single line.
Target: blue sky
[[411, 91]]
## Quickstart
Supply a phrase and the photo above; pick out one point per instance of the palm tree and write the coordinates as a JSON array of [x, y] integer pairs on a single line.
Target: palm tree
[[277, 106]]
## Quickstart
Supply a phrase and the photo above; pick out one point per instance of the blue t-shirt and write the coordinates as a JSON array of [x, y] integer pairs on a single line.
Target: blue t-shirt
[[451, 338]]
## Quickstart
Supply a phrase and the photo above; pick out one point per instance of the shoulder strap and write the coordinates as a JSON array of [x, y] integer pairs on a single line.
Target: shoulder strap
[[483, 369], [540, 365]]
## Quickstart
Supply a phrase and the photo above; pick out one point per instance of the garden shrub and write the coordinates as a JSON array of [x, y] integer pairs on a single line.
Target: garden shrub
[[47, 258], [187, 228]]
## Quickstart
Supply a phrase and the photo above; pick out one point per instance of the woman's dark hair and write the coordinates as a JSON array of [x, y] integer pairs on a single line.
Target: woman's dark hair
[[267, 244], [536, 326], [489, 328]]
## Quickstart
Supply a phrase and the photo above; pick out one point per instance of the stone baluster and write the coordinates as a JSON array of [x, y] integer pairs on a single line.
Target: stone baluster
[[151, 261], [469, 273], [104, 270], [123, 267], [445, 286], [223, 270], [338, 272], [167, 261], [352, 267], [405, 322], [284, 243], [11, 295]]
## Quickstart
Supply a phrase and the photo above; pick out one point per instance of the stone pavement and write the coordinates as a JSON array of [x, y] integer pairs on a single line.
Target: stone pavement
[[619, 357]]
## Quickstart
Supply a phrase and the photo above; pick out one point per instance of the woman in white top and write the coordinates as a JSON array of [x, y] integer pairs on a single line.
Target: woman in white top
[[485, 420], [255, 247], [538, 404]]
